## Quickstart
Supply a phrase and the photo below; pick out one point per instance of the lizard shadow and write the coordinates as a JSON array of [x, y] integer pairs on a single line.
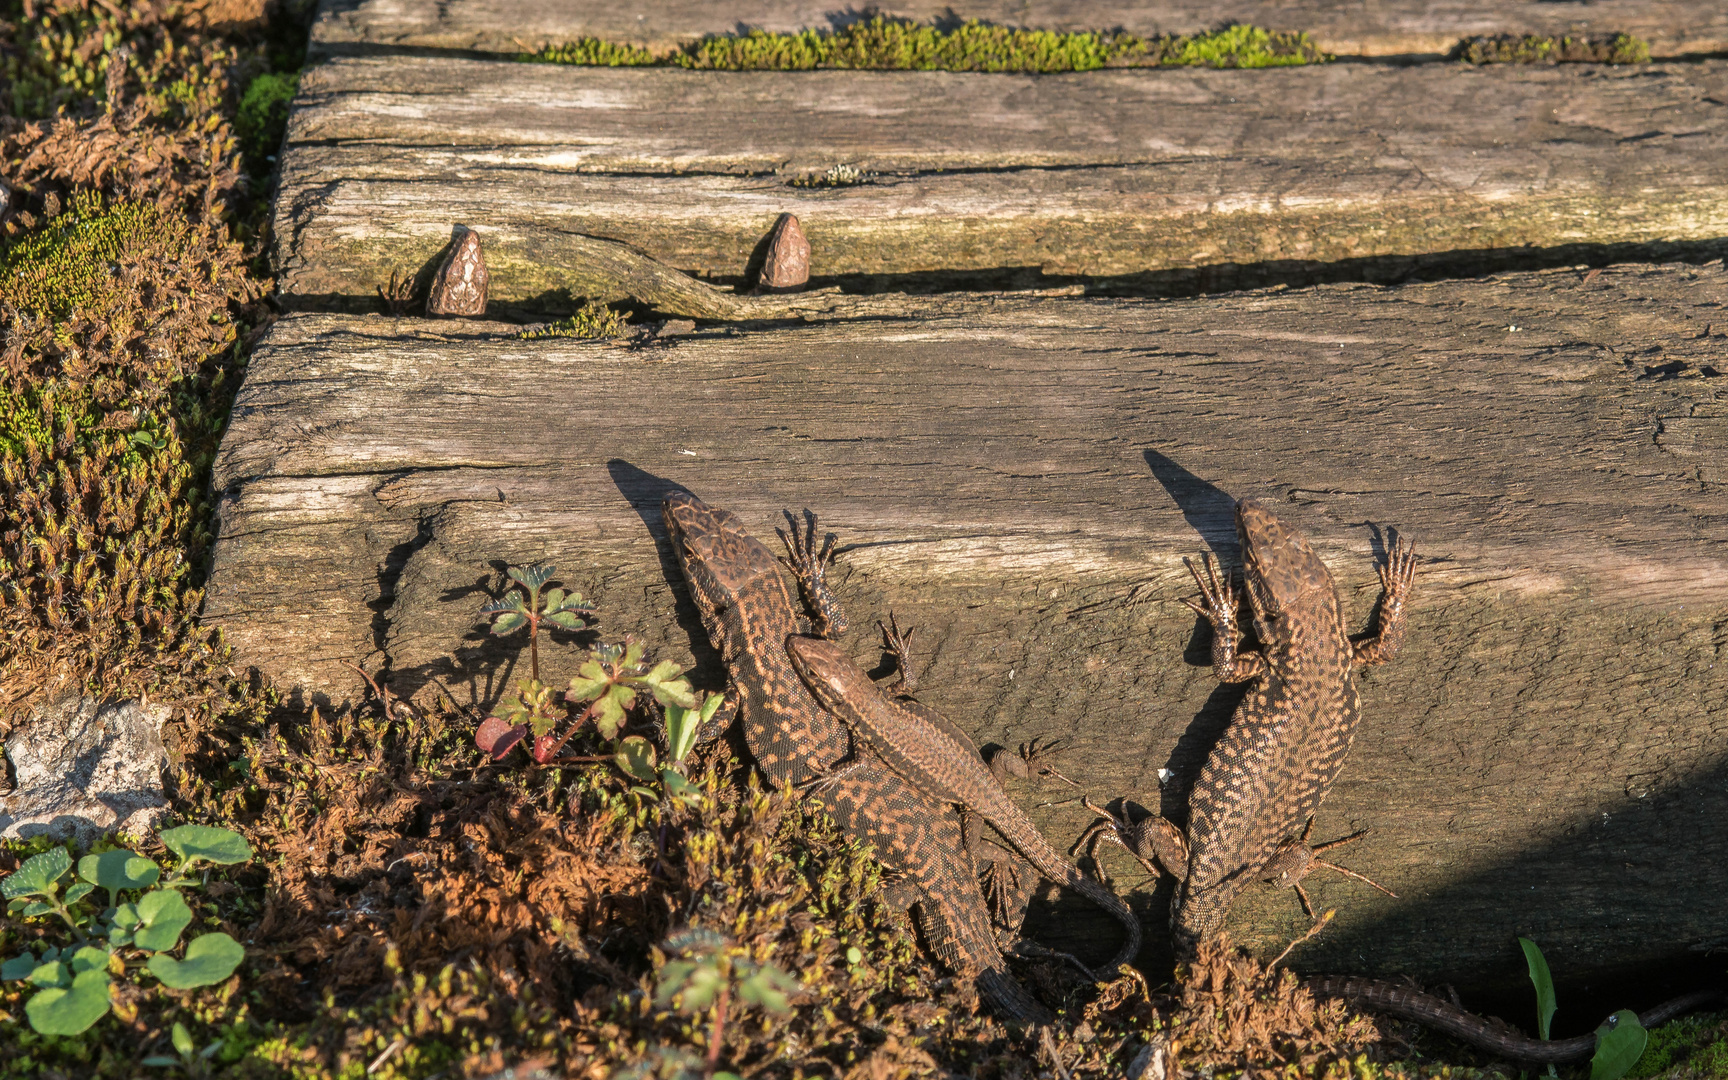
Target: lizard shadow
[[644, 491], [1210, 511]]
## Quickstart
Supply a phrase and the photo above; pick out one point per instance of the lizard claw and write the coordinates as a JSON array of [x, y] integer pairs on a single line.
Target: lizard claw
[[897, 643], [1219, 596], [809, 564]]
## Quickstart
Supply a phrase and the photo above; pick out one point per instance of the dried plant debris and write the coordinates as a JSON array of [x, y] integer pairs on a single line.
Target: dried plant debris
[[1536, 49], [883, 43]]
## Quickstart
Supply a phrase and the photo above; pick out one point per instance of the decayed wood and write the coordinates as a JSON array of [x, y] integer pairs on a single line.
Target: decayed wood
[[1388, 28], [1107, 175], [1021, 480]]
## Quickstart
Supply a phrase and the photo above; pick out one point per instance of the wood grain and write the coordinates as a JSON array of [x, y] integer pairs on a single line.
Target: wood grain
[[1345, 27], [1105, 177], [1021, 480]]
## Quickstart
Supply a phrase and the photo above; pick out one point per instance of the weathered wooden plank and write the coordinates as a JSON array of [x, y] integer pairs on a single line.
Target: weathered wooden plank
[[1021, 481], [1106, 175], [1387, 28]]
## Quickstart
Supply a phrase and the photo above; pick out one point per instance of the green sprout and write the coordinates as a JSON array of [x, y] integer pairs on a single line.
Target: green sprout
[[76, 977], [530, 607], [1620, 1040], [709, 973]]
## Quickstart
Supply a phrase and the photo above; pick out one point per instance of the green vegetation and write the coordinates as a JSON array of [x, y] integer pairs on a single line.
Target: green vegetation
[[880, 43], [144, 918], [1532, 49], [263, 117], [591, 320]]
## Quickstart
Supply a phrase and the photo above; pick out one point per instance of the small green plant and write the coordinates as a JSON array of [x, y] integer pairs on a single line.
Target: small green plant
[[1620, 1040], [143, 920], [709, 973], [607, 684]]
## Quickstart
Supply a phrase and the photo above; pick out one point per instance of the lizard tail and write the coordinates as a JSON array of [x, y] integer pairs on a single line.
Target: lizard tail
[[1445, 1017]]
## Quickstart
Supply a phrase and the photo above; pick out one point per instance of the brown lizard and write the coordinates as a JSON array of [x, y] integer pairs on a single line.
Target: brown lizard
[[935, 756], [1258, 792], [748, 613]]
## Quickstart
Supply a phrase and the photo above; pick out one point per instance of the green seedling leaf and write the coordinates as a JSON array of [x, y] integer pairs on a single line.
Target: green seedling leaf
[[633, 655], [498, 737], [590, 682], [694, 983], [89, 958], [769, 987], [159, 1061], [119, 869], [1620, 1043], [51, 973], [18, 968], [636, 757], [609, 711], [195, 843], [38, 875], [69, 1010], [682, 725], [509, 621], [209, 959], [676, 786], [78, 891], [162, 914], [1543, 982], [31, 910], [669, 686], [183, 1040], [569, 620], [126, 916], [532, 577]]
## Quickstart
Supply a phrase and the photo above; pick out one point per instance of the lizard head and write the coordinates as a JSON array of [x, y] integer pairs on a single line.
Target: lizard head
[[718, 557], [1280, 567], [831, 674]]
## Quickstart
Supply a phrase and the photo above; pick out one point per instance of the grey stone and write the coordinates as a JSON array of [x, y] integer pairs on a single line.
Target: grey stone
[[83, 769]]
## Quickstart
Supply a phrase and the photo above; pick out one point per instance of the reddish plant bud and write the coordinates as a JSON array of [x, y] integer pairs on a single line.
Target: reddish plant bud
[[459, 287], [787, 265]]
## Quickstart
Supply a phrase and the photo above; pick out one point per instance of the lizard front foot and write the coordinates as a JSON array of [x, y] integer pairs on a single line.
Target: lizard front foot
[[898, 644], [1295, 860], [828, 781], [809, 564]]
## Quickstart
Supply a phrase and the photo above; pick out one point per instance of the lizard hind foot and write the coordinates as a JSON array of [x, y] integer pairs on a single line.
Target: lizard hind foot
[[826, 782], [898, 644]]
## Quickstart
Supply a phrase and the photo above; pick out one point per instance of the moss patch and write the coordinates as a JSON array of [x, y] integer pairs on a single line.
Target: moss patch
[[1533, 49], [886, 44], [591, 320]]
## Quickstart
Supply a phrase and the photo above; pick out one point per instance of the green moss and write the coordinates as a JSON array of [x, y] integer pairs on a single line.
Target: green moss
[[593, 52], [887, 44], [263, 116], [70, 263], [1698, 1042], [592, 320], [1535, 49]]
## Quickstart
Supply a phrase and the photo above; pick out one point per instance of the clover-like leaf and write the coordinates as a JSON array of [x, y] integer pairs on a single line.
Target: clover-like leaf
[[69, 1010], [609, 710], [590, 681], [50, 973], [38, 875], [162, 914], [636, 757], [769, 987], [18, 968], [1620, 1042], [209, 959], [88, 958], [195, 843], [670, 687], [118, 869]]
